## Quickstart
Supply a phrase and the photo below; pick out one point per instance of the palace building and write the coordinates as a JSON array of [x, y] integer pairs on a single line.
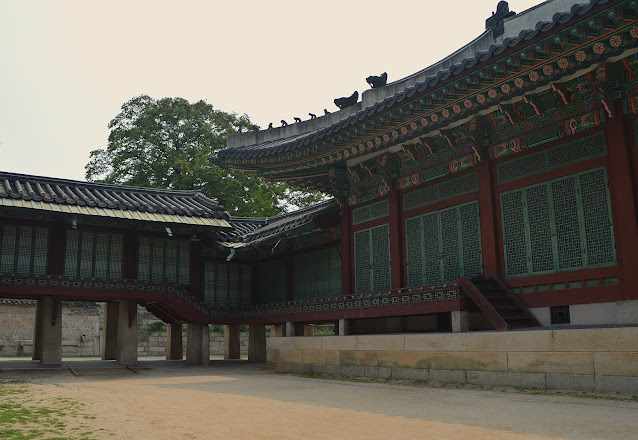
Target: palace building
[[494, 190]]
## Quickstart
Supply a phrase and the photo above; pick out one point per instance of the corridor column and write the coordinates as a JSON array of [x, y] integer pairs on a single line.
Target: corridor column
[[109, 334], [126, 351], [342, 328], [231, 342], [257, 343], [174, 349], [48, 343], [460, 321]]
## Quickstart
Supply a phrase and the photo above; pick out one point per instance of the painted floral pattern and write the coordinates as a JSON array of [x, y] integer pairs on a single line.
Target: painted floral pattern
[[580, 56], [467, 103], [563, 63], [533, 76], [505, 88], [598, 48], [491, 93], [615, 41], [518, 82], [548, 70]]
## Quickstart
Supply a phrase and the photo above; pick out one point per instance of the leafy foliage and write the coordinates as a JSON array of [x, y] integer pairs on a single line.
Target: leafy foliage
[[167, 143]]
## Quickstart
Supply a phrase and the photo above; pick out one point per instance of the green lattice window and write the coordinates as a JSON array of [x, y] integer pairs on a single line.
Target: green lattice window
[[227, 284], [442, 245], [563, 224], [464, 184], [273, 281], [318, 274], [372, 259], [164, 259], [370, 212], [93, 254], [23, 249], [552, 158]]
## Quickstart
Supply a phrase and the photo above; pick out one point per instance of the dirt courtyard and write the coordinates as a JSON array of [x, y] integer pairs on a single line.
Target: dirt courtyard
[[250, 402]]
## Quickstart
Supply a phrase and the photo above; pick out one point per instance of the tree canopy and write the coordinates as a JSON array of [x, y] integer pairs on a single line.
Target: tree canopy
[[167, 143]]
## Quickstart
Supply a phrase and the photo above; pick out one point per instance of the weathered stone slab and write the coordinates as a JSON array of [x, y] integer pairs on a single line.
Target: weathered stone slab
[[339, 342], [352, 370], [570, 382], [616, 364], [447, 376], [399, 373], [381, 342], [292, 356], [508, 379], [534, 340], [448, 361], [320, 357], [552, 362], [308, 343], [436, 342], [367, 358], [404, 359], [281, 343], [617, 384], [380, 372], [596, 339], [488, 361]]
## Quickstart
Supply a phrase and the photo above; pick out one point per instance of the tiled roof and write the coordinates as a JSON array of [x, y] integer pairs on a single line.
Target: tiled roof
[[298, 141], [96, 199], [251, 231]]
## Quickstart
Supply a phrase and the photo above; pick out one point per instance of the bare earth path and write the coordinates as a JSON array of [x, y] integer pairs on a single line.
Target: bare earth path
[[250, 402]]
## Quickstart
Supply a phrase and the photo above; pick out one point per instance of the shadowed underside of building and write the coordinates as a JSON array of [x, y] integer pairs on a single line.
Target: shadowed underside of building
[[495, 189]]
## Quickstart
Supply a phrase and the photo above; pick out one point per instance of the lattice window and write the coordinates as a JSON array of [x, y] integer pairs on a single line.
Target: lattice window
[[563, 224], [559, 315], [93, 254], [464, 184], [442, 245], [552, 158], [317, 274], [372, 259], [164, 259], [227, 284], [272, 281], [23, 249], [369, 212]]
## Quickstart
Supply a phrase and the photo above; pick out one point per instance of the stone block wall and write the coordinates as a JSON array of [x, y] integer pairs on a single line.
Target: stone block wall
[[592, 359], [80, 328], [154, 343]]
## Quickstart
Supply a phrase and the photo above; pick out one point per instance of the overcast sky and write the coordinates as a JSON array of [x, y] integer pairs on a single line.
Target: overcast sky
[[66, 67]]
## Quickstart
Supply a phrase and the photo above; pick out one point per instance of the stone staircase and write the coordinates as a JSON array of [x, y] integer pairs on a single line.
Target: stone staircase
[[499, 305]]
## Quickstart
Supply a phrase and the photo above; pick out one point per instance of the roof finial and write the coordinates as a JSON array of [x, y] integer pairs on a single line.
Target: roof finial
[[495, 22]]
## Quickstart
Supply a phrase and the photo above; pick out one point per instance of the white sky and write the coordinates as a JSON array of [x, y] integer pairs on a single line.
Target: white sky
[[66, 67]]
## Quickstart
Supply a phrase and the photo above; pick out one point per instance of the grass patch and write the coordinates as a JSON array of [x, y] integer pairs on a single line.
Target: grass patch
[[25, 415]]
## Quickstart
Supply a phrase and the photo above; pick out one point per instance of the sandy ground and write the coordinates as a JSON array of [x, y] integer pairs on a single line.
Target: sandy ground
[[250, 402]]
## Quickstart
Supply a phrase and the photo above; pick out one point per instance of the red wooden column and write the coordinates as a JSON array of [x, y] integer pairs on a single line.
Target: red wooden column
[[57, 243], [346, 249], [196, 270], [129, 271], [396, 243], [487, 213], [622, 197]]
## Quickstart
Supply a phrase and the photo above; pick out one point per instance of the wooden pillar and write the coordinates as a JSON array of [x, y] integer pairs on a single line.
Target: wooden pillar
[[36, 355], [127, 333], [129, 270], [109, 334], [196, 270], [396, 243], [232, 344], [174, 348], [487, 212], [346, 250], [257, 343], [51, 336], [622, 197]]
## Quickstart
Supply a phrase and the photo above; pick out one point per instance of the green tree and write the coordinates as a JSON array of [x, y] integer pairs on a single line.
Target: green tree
[[167, 143]]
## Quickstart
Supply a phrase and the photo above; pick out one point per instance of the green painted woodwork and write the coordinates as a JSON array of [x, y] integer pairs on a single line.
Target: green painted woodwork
[[562, 224], [228, 285], [93, 254], [318, 274], [465, 184], [369, 212], [273, 282], [444, 244], [372, 259], [556, 157], [23, 249], [164, 259]]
